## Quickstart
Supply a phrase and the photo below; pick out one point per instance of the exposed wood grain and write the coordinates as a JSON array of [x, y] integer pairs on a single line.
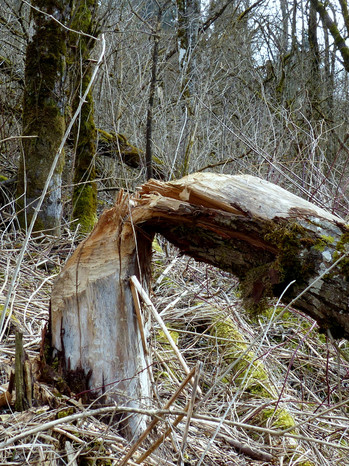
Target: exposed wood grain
[[93, 323], [263, 234]]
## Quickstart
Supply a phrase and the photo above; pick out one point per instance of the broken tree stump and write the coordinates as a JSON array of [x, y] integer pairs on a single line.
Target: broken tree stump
[[95, 338], [266, 236]]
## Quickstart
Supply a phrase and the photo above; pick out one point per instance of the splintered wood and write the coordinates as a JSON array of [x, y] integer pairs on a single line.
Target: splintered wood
[[93, 322], [259, 232]]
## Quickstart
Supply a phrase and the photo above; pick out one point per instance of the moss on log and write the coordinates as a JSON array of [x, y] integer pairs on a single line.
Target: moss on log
[[119, 147], [261, 233]]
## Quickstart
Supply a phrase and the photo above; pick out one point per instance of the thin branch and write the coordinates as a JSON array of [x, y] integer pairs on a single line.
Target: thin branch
[[61, 24], [46, 187]]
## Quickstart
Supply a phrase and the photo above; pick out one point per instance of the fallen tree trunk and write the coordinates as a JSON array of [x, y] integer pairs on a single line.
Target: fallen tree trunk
[[263, 234], [259, 232]]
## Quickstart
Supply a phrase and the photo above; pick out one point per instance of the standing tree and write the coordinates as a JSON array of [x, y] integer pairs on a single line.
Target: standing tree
[[189, 18], [43, 115], [338, 37], [81, 44]]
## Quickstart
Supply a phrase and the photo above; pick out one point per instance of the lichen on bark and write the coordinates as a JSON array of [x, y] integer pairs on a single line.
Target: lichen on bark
[[43, 117], [84, 196]]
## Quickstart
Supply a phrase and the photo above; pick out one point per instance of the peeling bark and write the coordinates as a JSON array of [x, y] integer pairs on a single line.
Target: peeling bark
[[258, 231]]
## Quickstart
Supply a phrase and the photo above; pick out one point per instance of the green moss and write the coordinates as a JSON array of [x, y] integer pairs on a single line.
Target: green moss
[[85, 207], [65, 413], [14, 322], [3, 178], [342, 247], [164, 374], [55, 361], [289, 238], [323, 242], [118, 146], [156, 246], [328, 239], [161, 337], [270, 279], [167, 358], [85, 189], [157, 160], [85, 134], [232, 345], [61, 385], [282, 419]]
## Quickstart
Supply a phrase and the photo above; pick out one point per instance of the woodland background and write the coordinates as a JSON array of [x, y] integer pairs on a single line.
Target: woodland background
[[181, 86]]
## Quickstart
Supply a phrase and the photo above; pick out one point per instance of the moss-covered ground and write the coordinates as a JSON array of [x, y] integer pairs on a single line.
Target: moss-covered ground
[[278, 388]]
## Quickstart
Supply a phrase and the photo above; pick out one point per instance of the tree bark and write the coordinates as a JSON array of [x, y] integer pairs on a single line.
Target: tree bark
[[84, 210], [332, 26], [43, 117], [261, 233], [187, 37], [152, 89]]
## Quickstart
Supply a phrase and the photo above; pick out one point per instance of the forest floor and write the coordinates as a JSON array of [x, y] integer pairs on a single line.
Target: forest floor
[[271, 393]]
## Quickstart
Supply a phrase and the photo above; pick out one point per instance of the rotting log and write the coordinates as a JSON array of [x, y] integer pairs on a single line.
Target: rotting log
[[254, 229]]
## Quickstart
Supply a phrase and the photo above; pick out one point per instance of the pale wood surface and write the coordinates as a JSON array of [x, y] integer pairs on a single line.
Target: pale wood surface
[[93, 322], [263, 234]]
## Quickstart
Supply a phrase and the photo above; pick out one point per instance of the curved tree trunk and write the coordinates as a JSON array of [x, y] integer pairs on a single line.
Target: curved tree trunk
[[263, 234], [266, 236], [332, 26]]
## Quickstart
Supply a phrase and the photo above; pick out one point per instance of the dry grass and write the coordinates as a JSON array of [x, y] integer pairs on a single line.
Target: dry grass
[[229, 426]]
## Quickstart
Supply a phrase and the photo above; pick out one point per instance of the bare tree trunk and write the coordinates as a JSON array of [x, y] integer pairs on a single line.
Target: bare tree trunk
[[149, 127], [269, 238], [332, 26], [314, 59], [188, 30]]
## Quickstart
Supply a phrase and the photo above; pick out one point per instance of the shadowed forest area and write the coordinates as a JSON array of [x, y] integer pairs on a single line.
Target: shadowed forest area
[[129, 350]]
